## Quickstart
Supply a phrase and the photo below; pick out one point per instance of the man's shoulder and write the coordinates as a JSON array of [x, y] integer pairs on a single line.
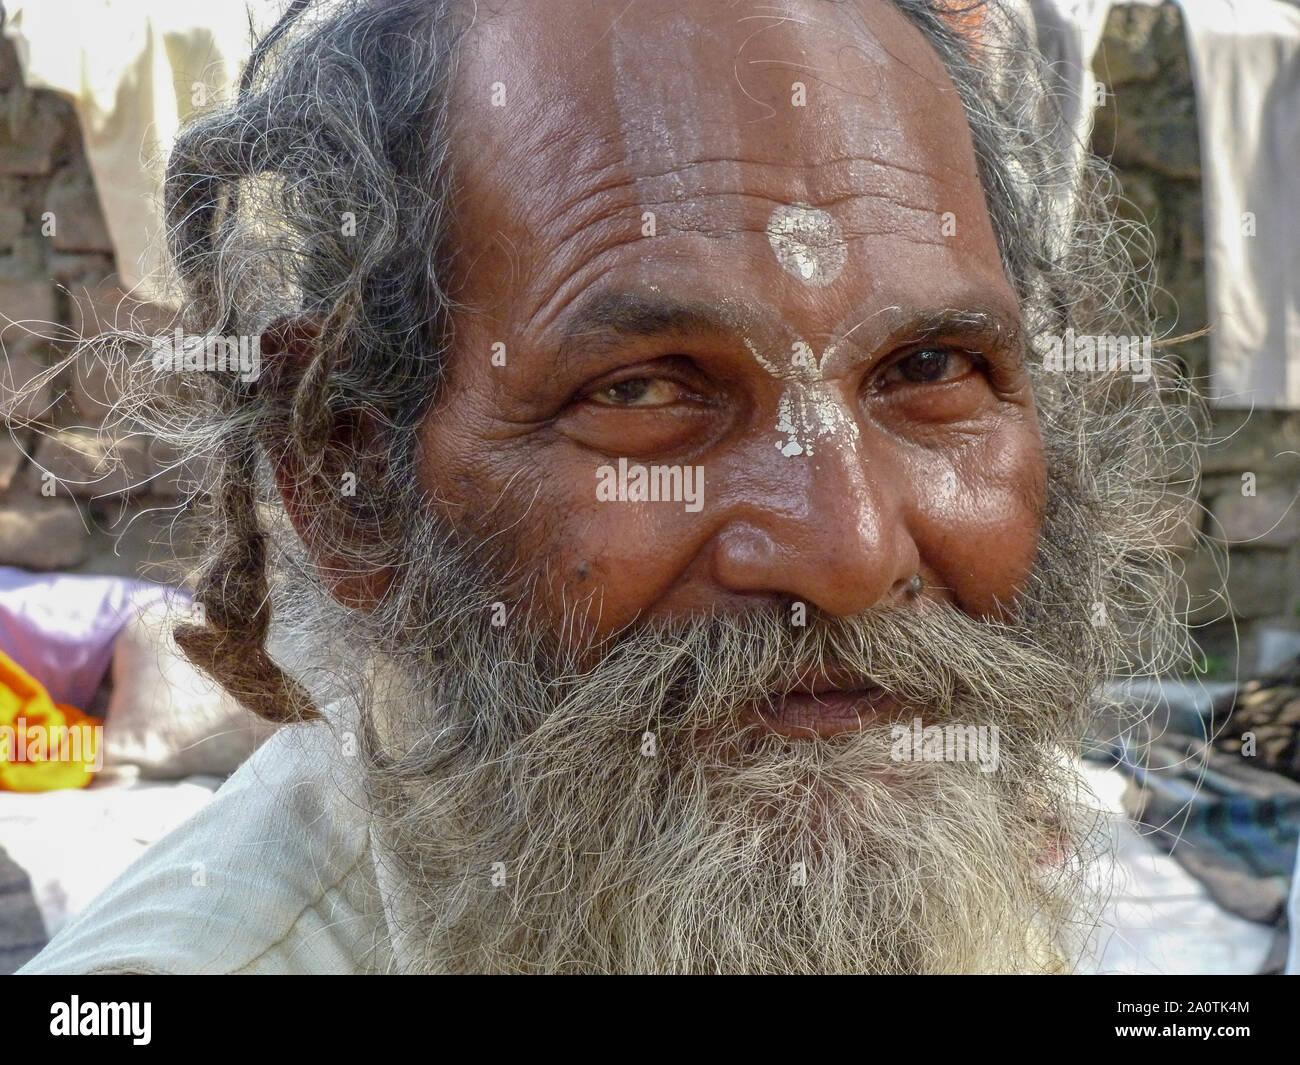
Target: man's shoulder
[[274, 875]]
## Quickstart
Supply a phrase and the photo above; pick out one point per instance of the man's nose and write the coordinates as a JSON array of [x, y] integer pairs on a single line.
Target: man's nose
[[829, 529]]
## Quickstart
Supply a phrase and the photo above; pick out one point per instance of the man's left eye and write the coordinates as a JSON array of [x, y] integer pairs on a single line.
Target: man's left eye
[[929, 366], [638, 392]]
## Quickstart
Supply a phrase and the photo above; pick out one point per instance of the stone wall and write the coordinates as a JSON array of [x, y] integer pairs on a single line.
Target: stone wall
[[57, 280], [92, 524], [1147, 126]]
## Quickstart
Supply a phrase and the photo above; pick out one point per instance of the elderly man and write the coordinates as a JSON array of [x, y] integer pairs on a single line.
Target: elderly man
[[690, 561]]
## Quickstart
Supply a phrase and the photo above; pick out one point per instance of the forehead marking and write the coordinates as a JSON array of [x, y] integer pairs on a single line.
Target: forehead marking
[[808, 243]]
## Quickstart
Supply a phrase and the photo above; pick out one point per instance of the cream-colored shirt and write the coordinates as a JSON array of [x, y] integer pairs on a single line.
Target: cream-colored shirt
[[274, 875]]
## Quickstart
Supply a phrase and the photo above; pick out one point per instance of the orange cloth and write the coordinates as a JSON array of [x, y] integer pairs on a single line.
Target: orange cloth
[[38, 737], [965, 16]]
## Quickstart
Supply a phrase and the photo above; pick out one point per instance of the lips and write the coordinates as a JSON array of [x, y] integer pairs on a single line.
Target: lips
[[824, 709]]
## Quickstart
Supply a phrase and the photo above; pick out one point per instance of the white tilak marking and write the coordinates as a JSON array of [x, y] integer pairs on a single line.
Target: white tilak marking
[[807, 409], [808, 243], [771, 367], [808, 412]]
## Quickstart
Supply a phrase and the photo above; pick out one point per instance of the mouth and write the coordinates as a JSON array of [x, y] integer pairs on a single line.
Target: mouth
[[823, 709]]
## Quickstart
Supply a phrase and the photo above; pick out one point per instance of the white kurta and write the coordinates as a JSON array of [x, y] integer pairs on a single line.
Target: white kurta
[[274, 875]]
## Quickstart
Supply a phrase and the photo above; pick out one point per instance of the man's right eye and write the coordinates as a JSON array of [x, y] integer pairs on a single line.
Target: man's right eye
[[638, 392]]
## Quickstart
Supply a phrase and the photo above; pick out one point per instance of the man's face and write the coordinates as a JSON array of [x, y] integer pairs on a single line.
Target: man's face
[[693, 261], [667, 768]]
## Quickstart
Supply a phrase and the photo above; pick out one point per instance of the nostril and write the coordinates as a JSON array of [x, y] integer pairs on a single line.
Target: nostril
[[912, 587]]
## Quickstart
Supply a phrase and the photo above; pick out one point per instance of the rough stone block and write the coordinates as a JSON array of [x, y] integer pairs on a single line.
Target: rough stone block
[[29, 303], [1270, 518], [26, 387], [94, 385], [87, 464], [30, 132], [101, 308], [12, 219], [1251, 441], [41, 534], [1256, 585], [78, 221], [1125, 54], [81, 270], [11, 73], [14, 449]]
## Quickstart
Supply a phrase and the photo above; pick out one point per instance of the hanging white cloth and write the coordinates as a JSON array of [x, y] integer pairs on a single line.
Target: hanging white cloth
[[135, 70], [1245, 58]]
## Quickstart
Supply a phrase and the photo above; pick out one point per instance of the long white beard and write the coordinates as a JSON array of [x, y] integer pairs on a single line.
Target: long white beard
[[598, 834], [773, 867]]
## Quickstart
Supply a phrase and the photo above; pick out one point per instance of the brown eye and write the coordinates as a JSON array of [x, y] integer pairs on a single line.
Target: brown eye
[[638, 392], [929, 366]]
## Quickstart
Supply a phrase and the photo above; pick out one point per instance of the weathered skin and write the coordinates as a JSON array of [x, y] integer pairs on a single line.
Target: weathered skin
[[685, 110]]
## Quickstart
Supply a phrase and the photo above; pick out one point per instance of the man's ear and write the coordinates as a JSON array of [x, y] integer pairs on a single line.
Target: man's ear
[[288, 347]]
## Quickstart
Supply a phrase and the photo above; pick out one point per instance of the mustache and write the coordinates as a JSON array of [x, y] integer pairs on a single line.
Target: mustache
[[924, 654], [698, 675], [929, 655], [456, 683]]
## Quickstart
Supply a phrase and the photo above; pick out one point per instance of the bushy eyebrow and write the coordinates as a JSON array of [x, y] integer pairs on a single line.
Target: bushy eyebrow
[[625, 314]]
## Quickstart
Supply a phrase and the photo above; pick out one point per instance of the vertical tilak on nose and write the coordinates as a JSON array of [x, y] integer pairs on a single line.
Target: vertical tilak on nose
[[807, 412], [808, 408]]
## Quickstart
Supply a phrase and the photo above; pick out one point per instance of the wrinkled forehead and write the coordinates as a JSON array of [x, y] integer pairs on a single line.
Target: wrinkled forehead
[[681, 97]]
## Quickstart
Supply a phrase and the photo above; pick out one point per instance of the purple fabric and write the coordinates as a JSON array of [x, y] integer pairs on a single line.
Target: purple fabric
[[60, 628]]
